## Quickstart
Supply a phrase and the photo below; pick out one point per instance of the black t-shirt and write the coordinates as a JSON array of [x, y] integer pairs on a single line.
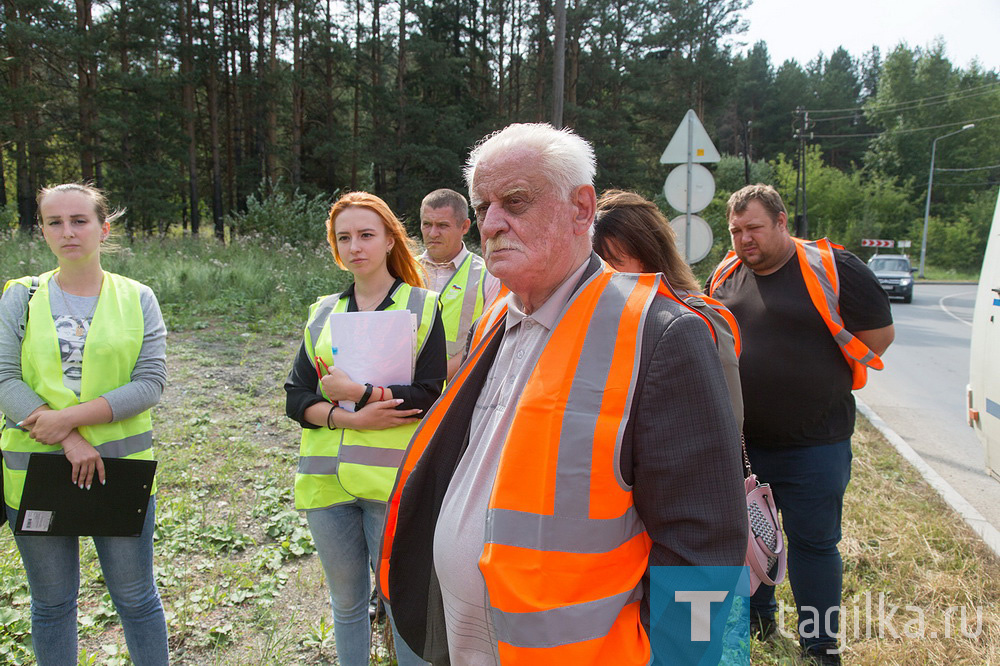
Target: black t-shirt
[[796, 382]]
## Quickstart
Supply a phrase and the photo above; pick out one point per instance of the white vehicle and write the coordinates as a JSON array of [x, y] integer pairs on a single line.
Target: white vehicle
[[984, 372]]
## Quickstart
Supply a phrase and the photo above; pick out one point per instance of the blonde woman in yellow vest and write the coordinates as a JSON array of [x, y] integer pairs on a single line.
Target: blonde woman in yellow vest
[[82, 361], [348, 460]]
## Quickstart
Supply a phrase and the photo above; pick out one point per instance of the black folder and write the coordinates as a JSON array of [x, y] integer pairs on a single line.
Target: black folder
[[52, 505]]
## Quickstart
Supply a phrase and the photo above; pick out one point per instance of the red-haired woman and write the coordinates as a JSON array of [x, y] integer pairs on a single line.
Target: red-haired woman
[[348, 460]]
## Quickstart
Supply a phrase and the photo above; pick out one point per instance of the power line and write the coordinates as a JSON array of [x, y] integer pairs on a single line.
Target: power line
[[956, 97], [869, 110], [982, 168], [963, 184], [912, 101], [900, 131]]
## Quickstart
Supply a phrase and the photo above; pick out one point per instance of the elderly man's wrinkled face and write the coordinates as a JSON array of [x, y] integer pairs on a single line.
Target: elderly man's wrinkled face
[[526, 225]]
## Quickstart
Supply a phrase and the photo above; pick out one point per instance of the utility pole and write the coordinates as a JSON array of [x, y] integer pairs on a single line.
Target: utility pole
[[801, 126], [559, 65], [746, 151], [803, 162]]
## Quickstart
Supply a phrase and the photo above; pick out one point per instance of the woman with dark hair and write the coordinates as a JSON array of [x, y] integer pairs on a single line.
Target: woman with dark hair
[[348, 459], [633, 236], [82, 361]]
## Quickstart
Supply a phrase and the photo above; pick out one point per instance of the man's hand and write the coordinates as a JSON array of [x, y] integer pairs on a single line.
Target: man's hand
[[85, 459]]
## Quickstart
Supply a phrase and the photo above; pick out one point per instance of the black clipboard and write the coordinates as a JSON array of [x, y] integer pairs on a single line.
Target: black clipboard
[[52, 505]]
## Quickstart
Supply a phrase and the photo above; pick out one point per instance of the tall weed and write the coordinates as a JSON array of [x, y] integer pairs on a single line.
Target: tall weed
[[251, 279]]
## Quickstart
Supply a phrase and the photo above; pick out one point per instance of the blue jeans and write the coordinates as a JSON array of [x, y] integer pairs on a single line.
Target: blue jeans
[[809, 484], [52, 564], [347, 538]]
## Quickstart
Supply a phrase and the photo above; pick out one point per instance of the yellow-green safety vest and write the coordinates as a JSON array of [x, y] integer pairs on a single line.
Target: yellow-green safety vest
[[462, 301], [109, 355], [337, 466]]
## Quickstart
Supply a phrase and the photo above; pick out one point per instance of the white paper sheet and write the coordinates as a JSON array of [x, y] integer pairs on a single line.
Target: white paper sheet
[[375, 348]]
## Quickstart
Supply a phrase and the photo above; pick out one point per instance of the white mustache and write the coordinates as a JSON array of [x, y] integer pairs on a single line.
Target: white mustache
[[501, 243]]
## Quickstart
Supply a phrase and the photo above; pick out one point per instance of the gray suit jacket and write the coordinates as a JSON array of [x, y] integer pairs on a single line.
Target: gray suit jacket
[[681, 451]]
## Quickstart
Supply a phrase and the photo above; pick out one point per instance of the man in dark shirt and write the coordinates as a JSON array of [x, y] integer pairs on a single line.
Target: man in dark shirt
[[790, 297]]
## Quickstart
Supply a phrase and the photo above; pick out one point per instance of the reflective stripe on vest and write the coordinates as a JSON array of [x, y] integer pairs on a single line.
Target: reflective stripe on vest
[[119, 448], [462, 302], [819, 272], [494, 312], [725, 268], [418, 444], [337, 466], [112, 347], [552, 598], [819, 268], [695, 300], [566, 551]]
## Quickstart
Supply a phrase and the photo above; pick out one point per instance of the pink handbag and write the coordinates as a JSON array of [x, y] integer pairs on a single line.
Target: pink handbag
[[766, 545]]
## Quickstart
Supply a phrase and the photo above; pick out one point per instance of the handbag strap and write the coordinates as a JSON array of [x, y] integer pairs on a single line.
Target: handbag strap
[[746, 459]]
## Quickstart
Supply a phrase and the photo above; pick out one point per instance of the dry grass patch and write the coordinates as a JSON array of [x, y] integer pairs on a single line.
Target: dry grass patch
[[903, 547]]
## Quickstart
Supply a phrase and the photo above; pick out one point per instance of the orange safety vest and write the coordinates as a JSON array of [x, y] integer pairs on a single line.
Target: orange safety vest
[[819, 270], [493, 312], [565, 549], [498, 308], [723, 311]]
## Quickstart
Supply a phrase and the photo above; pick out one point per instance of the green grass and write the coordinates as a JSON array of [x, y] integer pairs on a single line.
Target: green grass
[[196, 280], [949, 274], [235, 563], [902, 542]]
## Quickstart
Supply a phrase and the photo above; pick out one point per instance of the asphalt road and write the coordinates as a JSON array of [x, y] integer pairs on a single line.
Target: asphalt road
[[921, 391]]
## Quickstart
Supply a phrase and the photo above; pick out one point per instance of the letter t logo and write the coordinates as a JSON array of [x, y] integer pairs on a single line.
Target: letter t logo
[[701, 610]]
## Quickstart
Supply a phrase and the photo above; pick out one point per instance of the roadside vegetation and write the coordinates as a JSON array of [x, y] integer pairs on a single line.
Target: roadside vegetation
[[948, 274], [235, 563]]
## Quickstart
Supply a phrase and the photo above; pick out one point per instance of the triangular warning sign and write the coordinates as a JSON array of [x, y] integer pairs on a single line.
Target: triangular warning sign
[[702, 148]]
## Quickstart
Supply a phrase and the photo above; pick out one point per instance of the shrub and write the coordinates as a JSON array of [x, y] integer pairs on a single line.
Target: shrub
[[288, 217], [8, 216]]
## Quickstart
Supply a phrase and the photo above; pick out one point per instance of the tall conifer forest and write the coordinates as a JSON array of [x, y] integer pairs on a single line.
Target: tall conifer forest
[[188, 111]]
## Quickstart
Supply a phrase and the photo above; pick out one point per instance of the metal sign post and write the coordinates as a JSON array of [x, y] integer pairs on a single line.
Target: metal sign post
[[687, 194], [689, 145]]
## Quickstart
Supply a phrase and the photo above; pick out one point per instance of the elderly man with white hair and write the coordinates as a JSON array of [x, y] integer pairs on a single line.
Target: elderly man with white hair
[[587, 436]]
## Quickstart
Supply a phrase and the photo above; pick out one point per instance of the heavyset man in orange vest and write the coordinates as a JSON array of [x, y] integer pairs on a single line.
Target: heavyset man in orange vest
[[587, 436], [813, 319]]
